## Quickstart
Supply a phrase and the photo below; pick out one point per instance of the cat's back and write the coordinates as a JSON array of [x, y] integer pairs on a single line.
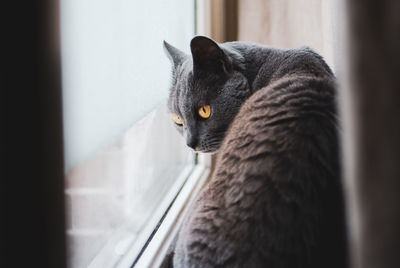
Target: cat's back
[[274, 199]]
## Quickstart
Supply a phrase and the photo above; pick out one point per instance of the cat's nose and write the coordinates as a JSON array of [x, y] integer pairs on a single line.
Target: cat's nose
[[191, 142]]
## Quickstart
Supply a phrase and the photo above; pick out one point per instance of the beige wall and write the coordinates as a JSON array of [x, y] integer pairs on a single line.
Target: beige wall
[[288, 24]]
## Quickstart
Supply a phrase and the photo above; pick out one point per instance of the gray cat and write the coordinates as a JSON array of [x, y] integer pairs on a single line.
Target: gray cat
[[275, 197]]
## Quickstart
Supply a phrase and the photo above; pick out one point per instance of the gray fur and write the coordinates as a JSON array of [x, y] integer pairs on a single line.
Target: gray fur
[[275, 198]]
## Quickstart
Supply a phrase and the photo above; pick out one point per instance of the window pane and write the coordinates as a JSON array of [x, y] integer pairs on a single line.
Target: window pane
[[114, 67], [125, 161]]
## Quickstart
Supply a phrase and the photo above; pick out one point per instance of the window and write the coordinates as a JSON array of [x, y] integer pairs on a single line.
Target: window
[[125, 162]]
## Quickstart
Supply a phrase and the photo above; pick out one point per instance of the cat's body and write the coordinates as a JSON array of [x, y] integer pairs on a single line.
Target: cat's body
[[275, 198]]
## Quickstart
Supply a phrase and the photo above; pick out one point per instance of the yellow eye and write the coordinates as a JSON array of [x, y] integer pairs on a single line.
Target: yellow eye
[[177, 119], [205, 111]]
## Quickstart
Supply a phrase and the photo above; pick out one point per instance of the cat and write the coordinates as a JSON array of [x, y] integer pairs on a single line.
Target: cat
[[275, 197]]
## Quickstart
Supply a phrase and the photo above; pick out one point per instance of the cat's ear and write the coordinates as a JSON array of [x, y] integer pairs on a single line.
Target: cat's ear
[[208, 56], [175, 55]]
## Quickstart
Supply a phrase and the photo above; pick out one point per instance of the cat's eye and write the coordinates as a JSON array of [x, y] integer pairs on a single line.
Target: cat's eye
[[205, 111], [177, 119]]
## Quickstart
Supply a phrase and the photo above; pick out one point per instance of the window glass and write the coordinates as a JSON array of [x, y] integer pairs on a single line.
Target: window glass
[[124, 160], [114, 67]]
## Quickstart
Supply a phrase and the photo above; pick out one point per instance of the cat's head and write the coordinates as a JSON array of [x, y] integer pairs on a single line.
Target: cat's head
[[207, 91]]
